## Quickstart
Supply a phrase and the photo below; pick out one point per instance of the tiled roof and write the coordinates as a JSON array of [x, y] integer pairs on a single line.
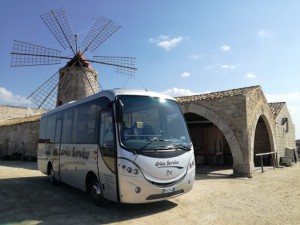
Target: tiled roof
[[20, 120], [276, 108], [216, 95]]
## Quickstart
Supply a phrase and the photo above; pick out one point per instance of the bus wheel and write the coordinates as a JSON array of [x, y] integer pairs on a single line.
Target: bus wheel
[[95, 192], [53, 181]]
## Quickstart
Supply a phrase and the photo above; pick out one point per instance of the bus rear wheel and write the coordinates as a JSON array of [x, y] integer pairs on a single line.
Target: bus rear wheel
[[51, 175]]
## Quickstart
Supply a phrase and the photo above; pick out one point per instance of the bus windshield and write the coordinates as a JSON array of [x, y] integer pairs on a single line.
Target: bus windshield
[[151, 123]]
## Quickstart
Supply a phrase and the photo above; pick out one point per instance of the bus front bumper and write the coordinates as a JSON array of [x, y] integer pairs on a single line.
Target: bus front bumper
[[139, 190]]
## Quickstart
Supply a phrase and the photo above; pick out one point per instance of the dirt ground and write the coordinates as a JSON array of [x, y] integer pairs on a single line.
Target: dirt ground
[[273, 197]]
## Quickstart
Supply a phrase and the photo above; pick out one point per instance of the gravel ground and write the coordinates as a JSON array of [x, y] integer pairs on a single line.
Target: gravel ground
[[273, 197]]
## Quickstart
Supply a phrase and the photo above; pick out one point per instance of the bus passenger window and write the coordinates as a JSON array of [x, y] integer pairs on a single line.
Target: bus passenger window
[[85, 124]]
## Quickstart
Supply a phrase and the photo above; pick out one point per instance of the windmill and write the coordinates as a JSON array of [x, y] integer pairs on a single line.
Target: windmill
[[77, 78]]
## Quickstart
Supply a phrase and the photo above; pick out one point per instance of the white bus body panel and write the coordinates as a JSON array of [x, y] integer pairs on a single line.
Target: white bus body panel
[[76, 160]]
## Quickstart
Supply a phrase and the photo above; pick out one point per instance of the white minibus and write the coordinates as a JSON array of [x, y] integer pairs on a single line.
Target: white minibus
[[123, 145]]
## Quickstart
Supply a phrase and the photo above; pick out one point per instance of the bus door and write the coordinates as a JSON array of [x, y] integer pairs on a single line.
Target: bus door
[[107, 156], [57, 146]]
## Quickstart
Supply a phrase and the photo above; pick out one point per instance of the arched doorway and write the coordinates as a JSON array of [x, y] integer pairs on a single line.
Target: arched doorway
[[210, 144], [239, 167], [262, 143]]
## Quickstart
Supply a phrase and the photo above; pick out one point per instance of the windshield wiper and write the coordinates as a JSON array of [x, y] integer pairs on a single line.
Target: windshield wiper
[[154, 140], [180, 146]]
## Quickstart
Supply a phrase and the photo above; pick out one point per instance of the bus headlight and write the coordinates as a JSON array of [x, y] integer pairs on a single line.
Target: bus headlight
[[191, 163], [129, 169], [136, 171]]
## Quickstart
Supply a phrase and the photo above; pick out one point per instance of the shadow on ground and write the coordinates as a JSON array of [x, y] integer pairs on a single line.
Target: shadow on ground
[[33, 200]]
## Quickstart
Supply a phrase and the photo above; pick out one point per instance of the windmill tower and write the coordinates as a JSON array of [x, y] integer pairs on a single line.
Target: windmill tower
[[77, 79]]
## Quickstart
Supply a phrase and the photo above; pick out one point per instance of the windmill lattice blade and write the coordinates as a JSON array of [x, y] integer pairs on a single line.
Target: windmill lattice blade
[[123, 65], [58, 23], [45, 96], [102, 29], [25, 54]]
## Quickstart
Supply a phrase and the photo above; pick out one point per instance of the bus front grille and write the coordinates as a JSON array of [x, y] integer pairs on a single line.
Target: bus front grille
[[164, 195]]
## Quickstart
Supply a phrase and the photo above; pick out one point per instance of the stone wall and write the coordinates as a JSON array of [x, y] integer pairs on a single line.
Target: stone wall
[[20, 138], [285, 133], [9, 112]]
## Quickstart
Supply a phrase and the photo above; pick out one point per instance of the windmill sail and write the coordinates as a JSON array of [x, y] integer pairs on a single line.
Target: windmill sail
[[58, 23], [77, 79], [25, 54], [122, 65], [45, 95], [102, 29]]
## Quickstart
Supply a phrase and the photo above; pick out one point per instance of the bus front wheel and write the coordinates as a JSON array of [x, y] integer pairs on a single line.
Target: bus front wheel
[[95, 191]]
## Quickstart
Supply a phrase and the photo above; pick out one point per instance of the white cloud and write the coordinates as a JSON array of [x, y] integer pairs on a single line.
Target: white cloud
[[7, 97], [164, 41], [196, 56], [263, 33], [295, 112], [294, 96], [250, 76], [185, 74], [225, 48], [228, 67], [176, 92]]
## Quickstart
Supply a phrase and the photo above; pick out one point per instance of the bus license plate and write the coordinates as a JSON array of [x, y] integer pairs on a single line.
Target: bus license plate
[[168, 190]]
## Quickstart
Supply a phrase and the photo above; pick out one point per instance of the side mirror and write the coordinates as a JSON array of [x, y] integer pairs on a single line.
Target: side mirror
[[119, 111]]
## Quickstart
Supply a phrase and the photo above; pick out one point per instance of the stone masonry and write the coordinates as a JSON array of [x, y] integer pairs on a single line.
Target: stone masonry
[[236, 113], [285, 129], [10, 112], [20, 136]]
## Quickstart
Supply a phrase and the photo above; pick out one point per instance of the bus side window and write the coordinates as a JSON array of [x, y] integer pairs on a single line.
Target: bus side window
[[67, 127], [84, 130], [51, 121]]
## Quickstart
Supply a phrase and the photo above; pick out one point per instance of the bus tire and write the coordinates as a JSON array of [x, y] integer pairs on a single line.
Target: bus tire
[[51, 175], [95, 191]]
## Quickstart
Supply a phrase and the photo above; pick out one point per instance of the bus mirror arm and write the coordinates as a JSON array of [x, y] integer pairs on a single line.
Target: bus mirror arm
[[119, 111]]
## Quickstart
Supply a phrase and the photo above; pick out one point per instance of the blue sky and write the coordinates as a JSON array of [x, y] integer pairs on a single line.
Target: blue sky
[[181, 47]]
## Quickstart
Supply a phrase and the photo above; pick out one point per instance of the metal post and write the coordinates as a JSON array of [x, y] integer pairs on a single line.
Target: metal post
[[262, 163]]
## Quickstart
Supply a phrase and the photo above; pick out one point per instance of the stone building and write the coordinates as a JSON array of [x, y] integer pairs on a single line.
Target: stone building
[[228, 127], [231, 127], [19, 137], [19, 128]]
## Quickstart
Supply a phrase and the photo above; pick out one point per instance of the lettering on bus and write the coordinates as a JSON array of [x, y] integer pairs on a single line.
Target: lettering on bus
[[166, 163], [75, 153]]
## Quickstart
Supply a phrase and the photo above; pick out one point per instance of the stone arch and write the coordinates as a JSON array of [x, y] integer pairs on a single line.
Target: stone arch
[[268, 120], [224, 127]]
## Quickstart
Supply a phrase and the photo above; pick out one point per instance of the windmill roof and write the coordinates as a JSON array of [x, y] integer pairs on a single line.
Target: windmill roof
[[276, 108], [79, 57], [216, 95]]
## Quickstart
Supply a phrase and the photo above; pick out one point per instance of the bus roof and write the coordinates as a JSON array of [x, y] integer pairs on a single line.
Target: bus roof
[[110, 94]]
